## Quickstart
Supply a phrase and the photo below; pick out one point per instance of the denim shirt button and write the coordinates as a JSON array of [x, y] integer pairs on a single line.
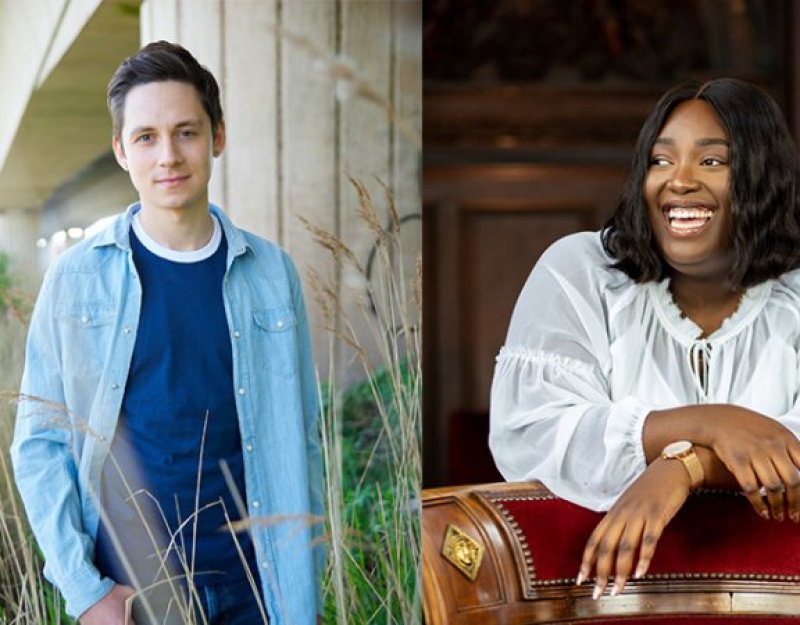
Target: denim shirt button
[[242, 391], [84, 319], [248, 447], [127, 330], [115, 386], [236, 334], [256, 504]]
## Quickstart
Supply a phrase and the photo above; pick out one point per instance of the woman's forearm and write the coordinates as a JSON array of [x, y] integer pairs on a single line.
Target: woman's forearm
[[746, 440], [691, 423], [695, 423]]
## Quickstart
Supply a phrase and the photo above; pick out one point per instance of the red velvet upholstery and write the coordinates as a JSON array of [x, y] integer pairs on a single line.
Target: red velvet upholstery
[[717, 563], [715, 534]]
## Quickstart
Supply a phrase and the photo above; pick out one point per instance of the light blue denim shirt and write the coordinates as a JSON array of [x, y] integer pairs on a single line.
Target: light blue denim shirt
[[78, 355]]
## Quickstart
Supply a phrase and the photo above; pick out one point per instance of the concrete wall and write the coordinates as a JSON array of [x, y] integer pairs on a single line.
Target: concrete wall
[[313, 91]]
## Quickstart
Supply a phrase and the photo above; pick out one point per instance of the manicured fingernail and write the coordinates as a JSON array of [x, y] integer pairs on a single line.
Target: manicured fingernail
[[779, 516], [596, 593], [614, 591], [764, 514], [580, 579], [794, 516], [641, 569]]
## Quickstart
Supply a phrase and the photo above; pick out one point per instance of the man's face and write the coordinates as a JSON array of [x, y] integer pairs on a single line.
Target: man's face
[[166, 145]]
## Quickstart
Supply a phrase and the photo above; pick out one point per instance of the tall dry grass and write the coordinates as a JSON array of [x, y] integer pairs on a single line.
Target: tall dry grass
[[373, 485], [25, 598], [370, 441]]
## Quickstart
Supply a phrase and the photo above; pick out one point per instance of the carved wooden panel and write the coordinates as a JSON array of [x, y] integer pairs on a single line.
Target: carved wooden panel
[[485, 227]]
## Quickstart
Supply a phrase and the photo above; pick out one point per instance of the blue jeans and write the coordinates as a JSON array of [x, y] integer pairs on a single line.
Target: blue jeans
[[224, 603], [232, 603]]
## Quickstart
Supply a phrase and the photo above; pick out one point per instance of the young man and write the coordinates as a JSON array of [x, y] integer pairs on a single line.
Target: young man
[[169, 387]]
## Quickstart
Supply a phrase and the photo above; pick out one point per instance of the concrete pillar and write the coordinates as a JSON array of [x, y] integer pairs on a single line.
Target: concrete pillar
[[19, 230]]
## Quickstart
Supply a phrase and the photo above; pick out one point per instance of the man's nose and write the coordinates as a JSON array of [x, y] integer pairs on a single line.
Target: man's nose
[[169, 154]]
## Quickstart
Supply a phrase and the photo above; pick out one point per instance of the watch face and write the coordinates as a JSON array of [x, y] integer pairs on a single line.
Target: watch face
[[677, 448]]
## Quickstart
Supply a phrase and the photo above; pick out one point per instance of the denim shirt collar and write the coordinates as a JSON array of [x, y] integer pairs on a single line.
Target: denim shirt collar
[[119, 232]]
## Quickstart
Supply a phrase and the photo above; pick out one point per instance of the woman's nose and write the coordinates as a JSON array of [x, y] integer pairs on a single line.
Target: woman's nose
[[683, 178]]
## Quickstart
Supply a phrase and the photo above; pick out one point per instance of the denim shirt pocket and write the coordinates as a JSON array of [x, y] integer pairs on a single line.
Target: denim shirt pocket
[[275, 340], [85, 331]]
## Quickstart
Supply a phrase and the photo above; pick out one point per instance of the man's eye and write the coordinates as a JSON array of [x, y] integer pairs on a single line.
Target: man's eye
[[144, 138], [188, 133]]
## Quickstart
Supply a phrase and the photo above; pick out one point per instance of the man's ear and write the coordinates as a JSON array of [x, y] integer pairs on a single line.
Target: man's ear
[[218, 142], [119, 152]]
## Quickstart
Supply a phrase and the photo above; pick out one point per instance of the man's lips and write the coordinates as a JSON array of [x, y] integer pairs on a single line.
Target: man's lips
[[171, 181]]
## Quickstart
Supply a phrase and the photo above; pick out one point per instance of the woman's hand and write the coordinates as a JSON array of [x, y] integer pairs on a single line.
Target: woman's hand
[[757, 451], [634, 524]]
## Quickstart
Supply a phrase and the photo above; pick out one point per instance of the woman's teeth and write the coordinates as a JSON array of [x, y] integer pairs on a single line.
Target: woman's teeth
[[688, 218]]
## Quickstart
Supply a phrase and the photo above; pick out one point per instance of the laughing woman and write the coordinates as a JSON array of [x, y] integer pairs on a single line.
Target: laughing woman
[[661, 354]]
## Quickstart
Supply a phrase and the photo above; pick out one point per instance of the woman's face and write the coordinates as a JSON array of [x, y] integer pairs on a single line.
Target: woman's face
[[687, 191]]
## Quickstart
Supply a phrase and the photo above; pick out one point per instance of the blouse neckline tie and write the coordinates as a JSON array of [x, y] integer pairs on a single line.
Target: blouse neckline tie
[[699, 362]]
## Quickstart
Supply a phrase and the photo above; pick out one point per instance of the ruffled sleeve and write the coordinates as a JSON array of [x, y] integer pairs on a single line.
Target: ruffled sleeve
[[552, 416]]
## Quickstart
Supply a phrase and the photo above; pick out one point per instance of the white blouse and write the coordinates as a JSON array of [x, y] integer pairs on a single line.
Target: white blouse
[[590, 353]]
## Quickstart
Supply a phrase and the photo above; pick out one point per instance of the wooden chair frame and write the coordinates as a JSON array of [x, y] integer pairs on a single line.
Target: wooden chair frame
[[506, 591]]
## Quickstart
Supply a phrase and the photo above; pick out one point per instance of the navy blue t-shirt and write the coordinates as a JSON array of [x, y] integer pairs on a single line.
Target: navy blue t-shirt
[[180, 380]]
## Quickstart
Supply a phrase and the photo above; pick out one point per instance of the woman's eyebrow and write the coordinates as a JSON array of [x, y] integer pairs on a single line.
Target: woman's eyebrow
[[701, 142], [713, 141]]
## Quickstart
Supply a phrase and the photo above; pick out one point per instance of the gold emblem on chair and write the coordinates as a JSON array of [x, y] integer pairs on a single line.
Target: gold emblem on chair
[[462, 551]]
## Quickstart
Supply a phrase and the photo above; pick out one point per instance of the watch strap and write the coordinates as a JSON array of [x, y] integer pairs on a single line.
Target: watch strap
[[694, 467], [692, 463]]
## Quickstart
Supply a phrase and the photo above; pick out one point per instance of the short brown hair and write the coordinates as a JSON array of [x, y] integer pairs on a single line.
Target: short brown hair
[[157, 62]]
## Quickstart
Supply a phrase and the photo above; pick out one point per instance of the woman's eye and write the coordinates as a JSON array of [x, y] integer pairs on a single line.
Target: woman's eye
[[713, 161], [659, 161]]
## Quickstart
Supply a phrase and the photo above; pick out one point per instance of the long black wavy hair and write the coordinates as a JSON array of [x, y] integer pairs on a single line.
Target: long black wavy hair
[[765, 218]]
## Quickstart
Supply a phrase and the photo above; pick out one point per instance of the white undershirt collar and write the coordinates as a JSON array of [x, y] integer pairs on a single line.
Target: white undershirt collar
[[179, 256]]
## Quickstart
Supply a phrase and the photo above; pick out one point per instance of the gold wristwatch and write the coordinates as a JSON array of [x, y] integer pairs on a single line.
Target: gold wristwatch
[[684, 451]]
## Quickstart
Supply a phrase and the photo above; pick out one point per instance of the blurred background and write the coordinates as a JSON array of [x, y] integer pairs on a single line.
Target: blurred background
[[313, 92], [531, 110], [322, 102]]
